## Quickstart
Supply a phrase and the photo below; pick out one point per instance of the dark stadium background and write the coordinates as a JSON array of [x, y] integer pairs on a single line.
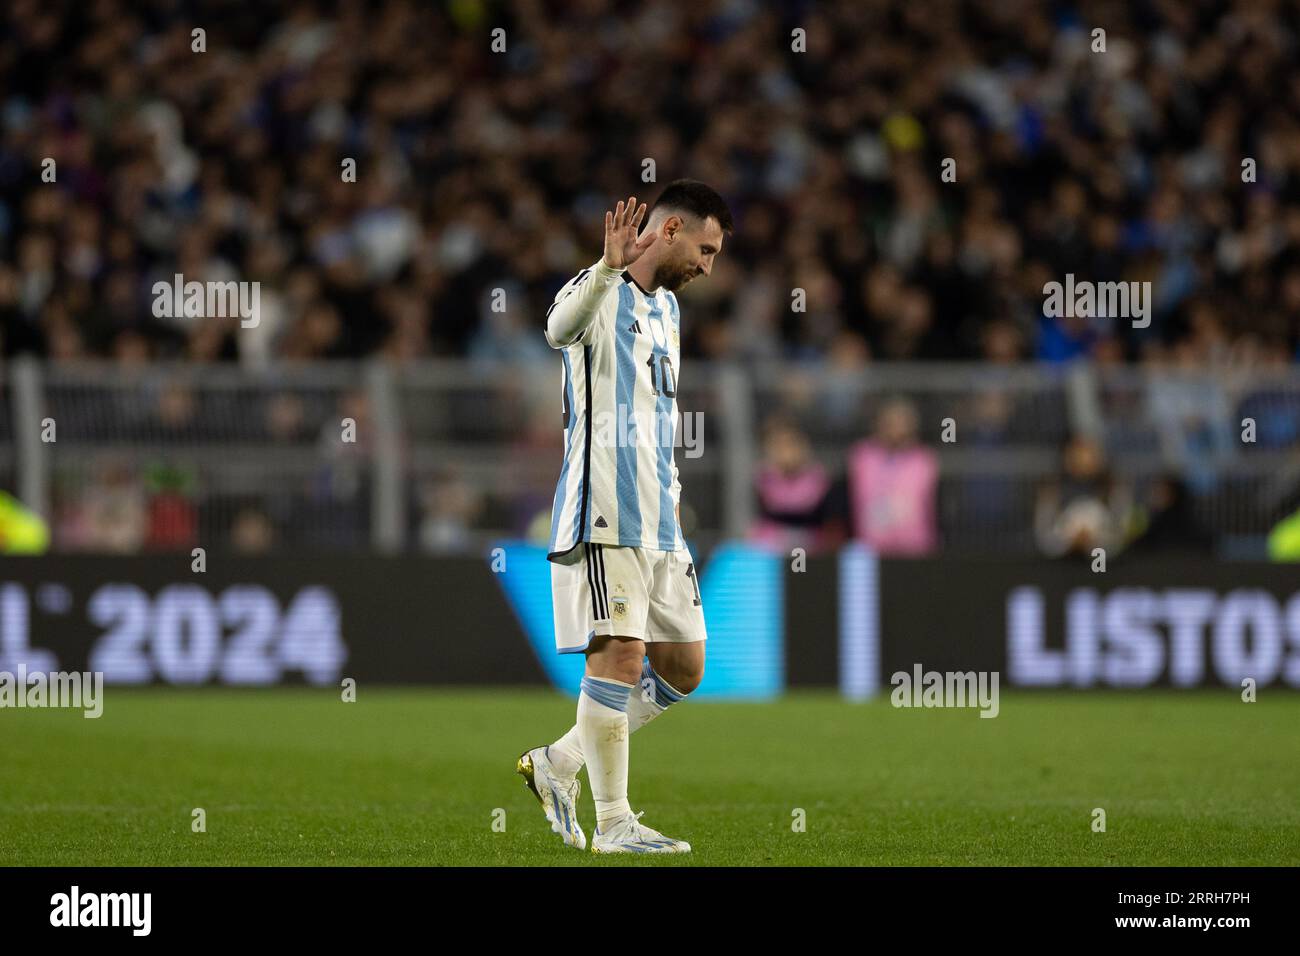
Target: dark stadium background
[[368, 471]]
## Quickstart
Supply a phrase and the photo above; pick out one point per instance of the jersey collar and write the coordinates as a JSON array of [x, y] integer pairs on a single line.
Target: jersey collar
[[627, 277]]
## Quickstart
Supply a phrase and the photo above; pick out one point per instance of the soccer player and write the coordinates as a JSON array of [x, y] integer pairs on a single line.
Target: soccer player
[[623, 582]]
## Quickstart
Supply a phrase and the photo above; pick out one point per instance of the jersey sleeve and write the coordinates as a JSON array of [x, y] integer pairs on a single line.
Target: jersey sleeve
[[574, 316]]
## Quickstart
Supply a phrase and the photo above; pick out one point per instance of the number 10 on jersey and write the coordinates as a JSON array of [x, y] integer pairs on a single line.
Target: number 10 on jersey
[[667, 382]]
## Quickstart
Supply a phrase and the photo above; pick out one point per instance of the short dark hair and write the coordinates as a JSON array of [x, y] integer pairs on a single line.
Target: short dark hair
[[694, 197]]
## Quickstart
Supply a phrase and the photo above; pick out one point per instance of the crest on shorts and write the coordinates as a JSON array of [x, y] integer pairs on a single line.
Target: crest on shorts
[[618, 608]]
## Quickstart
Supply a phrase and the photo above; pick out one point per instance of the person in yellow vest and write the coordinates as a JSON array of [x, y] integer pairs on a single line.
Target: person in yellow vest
[[22, 531], [1284, 539]]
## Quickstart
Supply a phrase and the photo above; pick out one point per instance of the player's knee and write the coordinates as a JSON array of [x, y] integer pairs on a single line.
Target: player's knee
[[627, 671], [691, 679], [617, 660], [684, 677]]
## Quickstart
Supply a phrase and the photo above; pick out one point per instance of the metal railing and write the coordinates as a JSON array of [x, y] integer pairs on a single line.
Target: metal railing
[[453, 454]]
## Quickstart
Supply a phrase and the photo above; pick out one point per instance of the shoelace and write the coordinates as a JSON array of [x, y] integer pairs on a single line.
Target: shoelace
[[645, 833], [634, 826]]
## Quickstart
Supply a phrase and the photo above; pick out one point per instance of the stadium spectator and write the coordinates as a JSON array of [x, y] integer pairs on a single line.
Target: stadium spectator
[[450, 506], [1085, 508], [1269, 401], [994, 497], [113, 517], [339, 493], [1190, 413], [893, 482], [173, 523], [793, 492], [1168, 523]]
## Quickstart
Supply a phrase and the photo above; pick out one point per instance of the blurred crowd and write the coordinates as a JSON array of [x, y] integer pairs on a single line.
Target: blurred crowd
[[479, 170]]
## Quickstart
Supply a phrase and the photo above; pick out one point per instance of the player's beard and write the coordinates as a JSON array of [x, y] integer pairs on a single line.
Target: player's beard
[[672, 276]]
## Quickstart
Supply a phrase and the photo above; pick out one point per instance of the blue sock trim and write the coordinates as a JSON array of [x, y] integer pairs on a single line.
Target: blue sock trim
[[665, 694], [607, 693]]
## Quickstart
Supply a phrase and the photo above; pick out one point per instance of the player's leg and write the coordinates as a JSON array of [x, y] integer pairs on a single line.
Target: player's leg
[[620, 581], [602, 595], [613, 667], [673, 670], [653, 694], [674, 637], [581, 613], [623, 579], [675, 622]]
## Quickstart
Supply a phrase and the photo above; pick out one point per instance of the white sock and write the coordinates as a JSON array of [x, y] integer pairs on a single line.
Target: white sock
[[566, 753], [602, 724], [646, 702]]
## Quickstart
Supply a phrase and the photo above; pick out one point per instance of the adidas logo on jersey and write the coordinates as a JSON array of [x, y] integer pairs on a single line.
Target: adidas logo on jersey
[[600, 522], [635, 327]]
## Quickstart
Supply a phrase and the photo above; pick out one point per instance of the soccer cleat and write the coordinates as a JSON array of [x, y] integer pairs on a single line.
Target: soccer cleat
[[559, 801], [629, 836]]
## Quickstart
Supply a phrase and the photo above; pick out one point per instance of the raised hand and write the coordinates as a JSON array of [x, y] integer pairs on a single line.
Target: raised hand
[[622, 247]]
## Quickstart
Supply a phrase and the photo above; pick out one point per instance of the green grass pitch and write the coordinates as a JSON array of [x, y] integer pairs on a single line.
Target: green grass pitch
[[414, 776]]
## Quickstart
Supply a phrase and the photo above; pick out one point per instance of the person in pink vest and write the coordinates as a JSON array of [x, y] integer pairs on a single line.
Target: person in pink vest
[[793, 491], [893, 486]]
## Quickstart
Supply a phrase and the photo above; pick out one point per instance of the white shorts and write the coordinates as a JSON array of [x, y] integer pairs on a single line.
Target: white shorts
[[626, 592]]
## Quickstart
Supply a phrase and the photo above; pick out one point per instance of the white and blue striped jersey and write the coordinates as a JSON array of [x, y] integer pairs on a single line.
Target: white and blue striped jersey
[[618, 482]]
